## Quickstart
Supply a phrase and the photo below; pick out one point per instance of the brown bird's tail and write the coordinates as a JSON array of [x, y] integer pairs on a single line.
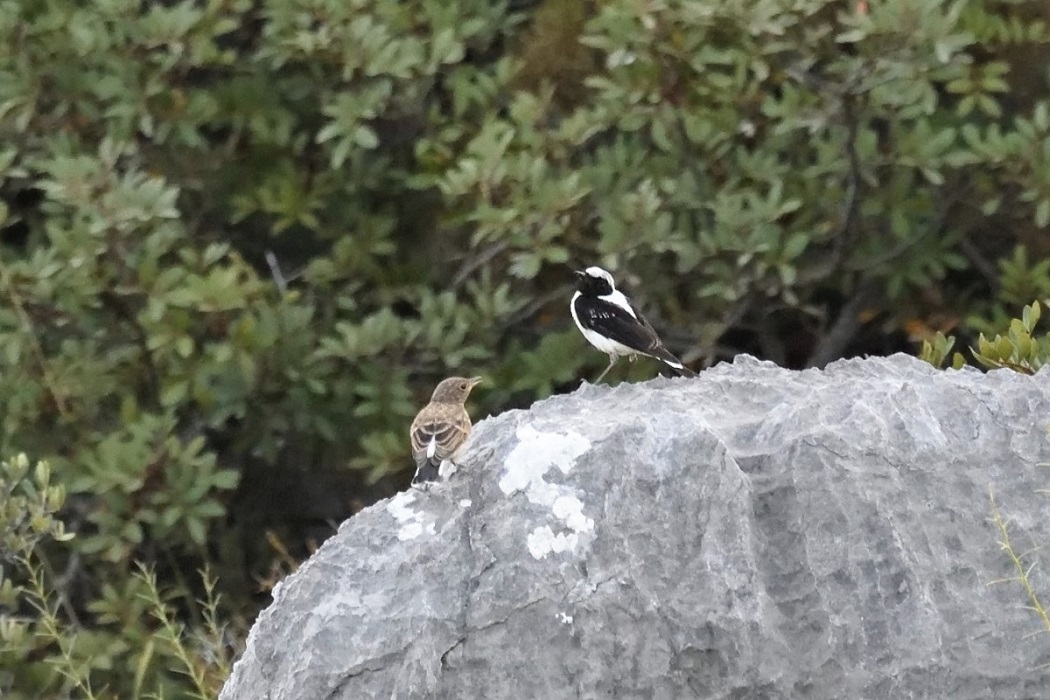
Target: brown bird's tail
[[428, 470]]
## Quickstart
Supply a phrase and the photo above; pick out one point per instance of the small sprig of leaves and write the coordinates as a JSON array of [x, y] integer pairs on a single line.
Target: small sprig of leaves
[[936, 351], [1019, 349], [28, 504]]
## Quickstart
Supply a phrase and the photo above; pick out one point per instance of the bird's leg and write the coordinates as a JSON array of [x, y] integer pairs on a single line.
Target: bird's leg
[[612, 361]]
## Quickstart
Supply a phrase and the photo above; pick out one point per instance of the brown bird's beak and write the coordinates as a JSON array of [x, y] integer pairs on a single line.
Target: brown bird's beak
[[474, 381]]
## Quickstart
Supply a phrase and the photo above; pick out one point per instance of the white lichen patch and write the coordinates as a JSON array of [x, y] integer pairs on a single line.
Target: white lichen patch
[[526, 468], [411, 520], [465, 503], [532, 458], [570, 509], [542, 541]]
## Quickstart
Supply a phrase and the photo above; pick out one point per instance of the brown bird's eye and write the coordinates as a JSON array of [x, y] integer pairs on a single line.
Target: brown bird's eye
[[462, 386]]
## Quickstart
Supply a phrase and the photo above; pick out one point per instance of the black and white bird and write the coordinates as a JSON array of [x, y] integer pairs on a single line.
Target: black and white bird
[[610, 322], [441, 427]]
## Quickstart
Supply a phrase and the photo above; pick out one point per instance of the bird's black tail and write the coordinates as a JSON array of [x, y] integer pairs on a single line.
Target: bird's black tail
[[428, 471], [681, 370], [673, 362]]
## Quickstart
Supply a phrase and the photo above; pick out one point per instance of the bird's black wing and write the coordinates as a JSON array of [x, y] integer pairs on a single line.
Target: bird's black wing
[[658, 350], [613, 322], [644, 321]]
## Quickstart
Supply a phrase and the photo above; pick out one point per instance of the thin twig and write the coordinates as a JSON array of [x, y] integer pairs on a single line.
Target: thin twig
[[63, 582], [1018, 562], [54, 631], [536, 304], [34, 341], [124, 312], [473, 263], [852, 205], [847, 229], [842, 331], [275, 271], [979, 262], [172, 631]]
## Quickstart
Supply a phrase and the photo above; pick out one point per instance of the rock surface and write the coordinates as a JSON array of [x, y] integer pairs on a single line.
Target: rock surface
[[751, 533]]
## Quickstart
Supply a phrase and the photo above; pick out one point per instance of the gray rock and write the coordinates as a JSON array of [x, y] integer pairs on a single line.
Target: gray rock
[[751, 533]]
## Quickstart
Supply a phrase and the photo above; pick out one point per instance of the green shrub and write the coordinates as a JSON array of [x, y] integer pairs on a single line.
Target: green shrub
[[38, 617], [240, 241]]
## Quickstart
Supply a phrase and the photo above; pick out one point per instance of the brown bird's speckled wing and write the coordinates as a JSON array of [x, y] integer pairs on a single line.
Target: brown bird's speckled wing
[[448, 426]]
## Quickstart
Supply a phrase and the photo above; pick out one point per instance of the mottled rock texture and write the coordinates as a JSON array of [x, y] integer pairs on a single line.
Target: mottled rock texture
[[751, 533]]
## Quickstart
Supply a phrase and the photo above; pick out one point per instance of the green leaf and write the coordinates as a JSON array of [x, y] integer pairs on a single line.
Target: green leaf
[[365, 137], [1042, 213]]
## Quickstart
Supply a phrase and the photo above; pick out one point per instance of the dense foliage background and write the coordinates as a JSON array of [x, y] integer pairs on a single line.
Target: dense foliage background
[[242, 239]]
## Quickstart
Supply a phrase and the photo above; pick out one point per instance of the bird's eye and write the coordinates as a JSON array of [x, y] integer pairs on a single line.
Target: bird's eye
[[462, 386]]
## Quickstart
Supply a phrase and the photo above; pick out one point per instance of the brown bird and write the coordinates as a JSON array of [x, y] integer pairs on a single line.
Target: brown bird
[[441, 428]]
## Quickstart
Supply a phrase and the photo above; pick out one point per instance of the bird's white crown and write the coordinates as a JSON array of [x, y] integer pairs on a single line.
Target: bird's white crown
[[597, 272]]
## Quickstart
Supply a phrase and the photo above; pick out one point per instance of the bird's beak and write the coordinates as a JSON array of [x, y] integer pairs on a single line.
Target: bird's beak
[[474, 381], [579, 273]]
